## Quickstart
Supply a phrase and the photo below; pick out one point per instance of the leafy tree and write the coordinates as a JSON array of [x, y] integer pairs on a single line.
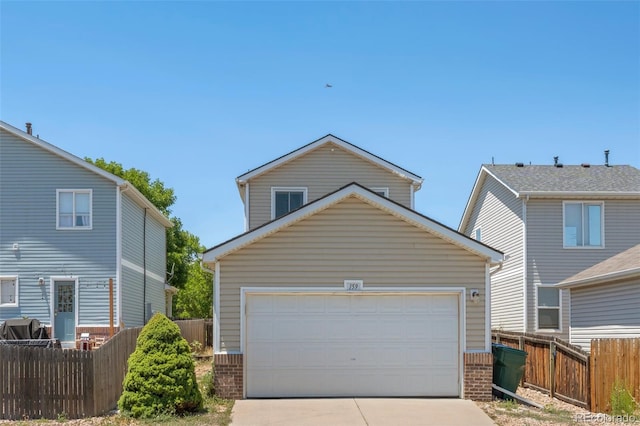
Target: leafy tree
[[195, 298], [161, 376]]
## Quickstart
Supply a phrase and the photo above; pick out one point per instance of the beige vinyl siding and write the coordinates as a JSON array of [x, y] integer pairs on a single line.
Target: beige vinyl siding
[[322, 171], [550, 263], [607, 310], [350, 240], [498, 213]]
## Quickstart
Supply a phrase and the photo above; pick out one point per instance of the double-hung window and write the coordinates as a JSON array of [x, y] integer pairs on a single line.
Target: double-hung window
[[8, 291], [74, 209], [285, 200], [548, 308], [583, 224]]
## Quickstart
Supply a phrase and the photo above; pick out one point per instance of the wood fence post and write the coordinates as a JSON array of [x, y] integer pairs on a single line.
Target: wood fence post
[[552, 368], [524, 373]]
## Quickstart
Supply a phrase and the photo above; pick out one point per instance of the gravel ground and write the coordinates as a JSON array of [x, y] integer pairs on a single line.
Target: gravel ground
[[555, 412]]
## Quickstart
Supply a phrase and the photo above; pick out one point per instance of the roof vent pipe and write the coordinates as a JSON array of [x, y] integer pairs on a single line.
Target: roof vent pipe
[[29, 131], [555, 162], [606, 157], [519, 164]]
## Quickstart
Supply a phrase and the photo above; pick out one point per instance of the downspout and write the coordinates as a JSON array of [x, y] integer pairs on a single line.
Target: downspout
[[118, 317], [144, 267], [246, 207], [524, 262], [214, 314]]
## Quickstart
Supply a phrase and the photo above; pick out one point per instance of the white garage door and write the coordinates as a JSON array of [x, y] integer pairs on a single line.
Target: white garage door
[[301, 345]]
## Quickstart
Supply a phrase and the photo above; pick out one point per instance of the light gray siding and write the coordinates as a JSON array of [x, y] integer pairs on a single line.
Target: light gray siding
[[29, 178], [498, 213], [143, 240], [609, 310], [323, 170], [550, 263], [350, 240]]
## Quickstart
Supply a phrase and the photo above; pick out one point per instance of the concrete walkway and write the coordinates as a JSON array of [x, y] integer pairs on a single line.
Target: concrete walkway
[[358, 412]]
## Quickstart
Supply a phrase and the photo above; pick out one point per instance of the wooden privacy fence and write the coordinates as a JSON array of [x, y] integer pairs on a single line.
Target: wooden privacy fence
[[199, 330], [611, 360], [47, 383], [552, 366], [192, 330]]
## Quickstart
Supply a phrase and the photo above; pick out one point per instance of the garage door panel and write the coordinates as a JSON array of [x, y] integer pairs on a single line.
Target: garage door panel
[[352, 345]]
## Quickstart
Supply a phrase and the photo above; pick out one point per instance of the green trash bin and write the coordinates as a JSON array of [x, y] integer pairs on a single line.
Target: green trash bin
[[508, 366]]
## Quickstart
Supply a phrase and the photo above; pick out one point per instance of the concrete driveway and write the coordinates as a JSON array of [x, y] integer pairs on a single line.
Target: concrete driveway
[[358, 412]]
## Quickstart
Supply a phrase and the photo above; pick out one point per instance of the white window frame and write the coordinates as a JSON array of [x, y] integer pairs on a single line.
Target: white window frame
[[385, 191], [275, 189], [537, 307], [477, 232], [16, 293], [74, 227], [583, 203]]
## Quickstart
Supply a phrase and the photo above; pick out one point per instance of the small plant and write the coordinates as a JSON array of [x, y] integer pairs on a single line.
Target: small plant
[[622, 402], [509, 404], [62, 417], [208, 388], [196, 347]]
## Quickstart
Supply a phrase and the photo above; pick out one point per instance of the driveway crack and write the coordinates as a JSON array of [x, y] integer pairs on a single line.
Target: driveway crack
[[361, 413]]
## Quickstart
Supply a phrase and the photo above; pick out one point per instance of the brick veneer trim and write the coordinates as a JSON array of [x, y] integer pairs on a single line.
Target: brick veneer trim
[[478, 375], [228, 375]]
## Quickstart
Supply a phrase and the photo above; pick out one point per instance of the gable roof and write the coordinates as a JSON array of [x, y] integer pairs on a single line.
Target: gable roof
[[558, 182], [124, 185], [353, 190], [547, 180], [622, 265], [416, 180]]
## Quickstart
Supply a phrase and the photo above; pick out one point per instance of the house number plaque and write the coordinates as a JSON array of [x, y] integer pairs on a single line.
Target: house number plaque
[[353, 285]]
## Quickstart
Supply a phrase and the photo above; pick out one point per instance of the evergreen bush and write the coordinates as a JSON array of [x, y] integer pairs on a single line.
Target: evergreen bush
[[161, 375]]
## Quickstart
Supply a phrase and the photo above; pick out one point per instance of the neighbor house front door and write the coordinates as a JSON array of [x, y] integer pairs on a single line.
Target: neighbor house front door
[[64, 311]]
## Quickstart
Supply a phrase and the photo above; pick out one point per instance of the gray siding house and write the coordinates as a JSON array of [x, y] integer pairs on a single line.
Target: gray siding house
[[605, 299], [66, 228], [339, 288], [551, 222]]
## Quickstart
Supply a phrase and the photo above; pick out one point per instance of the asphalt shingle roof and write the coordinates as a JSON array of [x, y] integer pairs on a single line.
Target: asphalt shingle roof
[[627, 260], [620, 179]]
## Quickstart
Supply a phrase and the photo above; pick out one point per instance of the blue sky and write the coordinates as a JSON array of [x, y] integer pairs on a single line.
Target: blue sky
[[197, 93]]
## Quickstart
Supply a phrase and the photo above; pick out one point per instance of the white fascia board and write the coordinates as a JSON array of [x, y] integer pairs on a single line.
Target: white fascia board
[[599, 279], [580, 194], [137, 196], [61, 153], [397, 210], [477, 186], [405, 174], [143, 202]]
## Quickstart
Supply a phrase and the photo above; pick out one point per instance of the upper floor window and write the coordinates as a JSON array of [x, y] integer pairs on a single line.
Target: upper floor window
[[477, 234], [548, 308], [74, 209], [8, 291], [383, 192], [285, 200], [583, 224]]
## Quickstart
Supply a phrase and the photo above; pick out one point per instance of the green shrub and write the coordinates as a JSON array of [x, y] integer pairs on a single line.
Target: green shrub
[[208, 388], [622, 402], [161, 375]]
